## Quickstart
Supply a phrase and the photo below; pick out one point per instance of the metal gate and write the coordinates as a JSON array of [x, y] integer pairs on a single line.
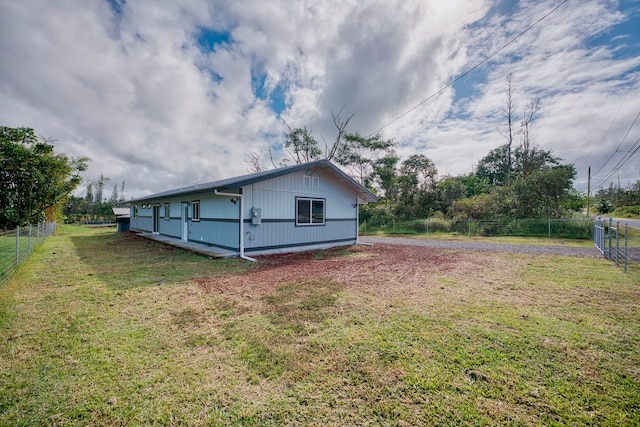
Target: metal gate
[[612, 241]]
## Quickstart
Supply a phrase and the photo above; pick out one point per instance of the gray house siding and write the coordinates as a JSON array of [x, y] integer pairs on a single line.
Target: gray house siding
[[218, 224], [141, 220], [276, 198], [330, 196]]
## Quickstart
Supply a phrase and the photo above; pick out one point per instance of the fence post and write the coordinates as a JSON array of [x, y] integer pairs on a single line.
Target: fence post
[[626, 246], [549, 226], [29, 240], [17, 244], [610, 235], [617, 242]]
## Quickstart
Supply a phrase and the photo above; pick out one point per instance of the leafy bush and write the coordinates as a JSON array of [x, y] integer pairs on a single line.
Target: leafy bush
[[627, 212]]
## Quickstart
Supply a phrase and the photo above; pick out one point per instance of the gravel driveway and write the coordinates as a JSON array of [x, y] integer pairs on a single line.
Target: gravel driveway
[[590, 252]]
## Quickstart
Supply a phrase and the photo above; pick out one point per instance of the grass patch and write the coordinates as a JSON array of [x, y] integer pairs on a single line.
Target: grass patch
[[513, 240], [165, 337], [631, 212]]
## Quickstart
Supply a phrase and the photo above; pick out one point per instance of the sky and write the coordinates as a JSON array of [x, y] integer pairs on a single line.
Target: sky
[[162, 94]]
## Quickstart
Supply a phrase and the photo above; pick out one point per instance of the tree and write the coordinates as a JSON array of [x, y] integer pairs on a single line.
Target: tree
[[509, 108], [416, 183], [385, 177], [359, 153], [449, 190], [544, 192], [528, 148], [341, 127], [99, 196], [89, 195], [33, 178], [351, 150], [603, 206], [301, 146], [115, 197], [495, 167]]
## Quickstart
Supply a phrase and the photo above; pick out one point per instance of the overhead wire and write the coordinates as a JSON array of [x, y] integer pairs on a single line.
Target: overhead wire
[[476, 66], [625, 158], [611, 125]]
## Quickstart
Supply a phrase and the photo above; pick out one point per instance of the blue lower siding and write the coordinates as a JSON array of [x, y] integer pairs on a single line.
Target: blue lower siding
[[298, 245], [269, 235], [216, 232], [170, 227], [281, 234]]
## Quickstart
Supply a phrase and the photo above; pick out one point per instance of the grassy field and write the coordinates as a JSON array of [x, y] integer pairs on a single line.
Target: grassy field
[[101, 328]]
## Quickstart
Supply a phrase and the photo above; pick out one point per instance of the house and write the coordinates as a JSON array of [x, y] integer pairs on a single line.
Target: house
[[301, 207]]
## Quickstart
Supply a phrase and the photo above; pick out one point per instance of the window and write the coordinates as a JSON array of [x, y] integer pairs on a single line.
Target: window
[[310, 181], [195, 211], [309, 211], [167, 211], [135, 211]]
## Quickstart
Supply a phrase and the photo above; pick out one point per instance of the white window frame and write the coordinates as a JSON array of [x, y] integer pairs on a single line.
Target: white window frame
[[312, 221], [167, 211], [195, 210]]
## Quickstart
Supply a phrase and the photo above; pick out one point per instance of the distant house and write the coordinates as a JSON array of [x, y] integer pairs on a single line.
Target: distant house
[[300, 207]]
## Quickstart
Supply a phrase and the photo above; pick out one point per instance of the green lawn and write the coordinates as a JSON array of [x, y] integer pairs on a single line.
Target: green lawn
[[101, 328]]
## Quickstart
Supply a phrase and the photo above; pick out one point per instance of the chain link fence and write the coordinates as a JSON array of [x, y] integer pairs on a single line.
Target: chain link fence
[[616, 242], [16, 246], [536, 227]]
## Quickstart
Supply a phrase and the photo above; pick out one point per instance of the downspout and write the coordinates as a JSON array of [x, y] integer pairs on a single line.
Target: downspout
[[239, 196]]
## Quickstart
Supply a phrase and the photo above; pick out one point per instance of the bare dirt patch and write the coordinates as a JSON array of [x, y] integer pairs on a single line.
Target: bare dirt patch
[[392, 268]]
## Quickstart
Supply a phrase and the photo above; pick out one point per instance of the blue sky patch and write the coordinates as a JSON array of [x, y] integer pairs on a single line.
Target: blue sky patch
[[116, 8], [623, 39], [208, 39], [276, 98]]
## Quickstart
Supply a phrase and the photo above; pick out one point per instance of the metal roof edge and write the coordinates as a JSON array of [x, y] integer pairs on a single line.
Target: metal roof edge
[[244, 180]]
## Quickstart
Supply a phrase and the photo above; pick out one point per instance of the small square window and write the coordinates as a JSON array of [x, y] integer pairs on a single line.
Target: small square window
[[195, 211], [316, 182], [306, 181]]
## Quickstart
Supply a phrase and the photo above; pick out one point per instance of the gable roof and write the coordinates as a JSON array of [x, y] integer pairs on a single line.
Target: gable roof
[[361, 192]]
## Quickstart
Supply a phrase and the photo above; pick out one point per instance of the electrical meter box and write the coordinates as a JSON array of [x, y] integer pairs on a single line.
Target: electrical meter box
[[256, 216]]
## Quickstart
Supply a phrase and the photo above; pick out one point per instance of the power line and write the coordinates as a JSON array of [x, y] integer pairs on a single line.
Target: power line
[[619, 145], [626, 158], [452, 82], [632, 151]]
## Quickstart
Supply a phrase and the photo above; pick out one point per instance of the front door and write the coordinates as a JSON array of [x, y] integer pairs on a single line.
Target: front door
[[156, 219], [184, 217]]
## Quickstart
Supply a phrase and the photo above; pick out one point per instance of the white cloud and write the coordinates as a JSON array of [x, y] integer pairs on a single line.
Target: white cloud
[[134, 92]]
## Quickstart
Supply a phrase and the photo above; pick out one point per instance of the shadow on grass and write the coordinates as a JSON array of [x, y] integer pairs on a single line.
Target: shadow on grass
[[124, 260]]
